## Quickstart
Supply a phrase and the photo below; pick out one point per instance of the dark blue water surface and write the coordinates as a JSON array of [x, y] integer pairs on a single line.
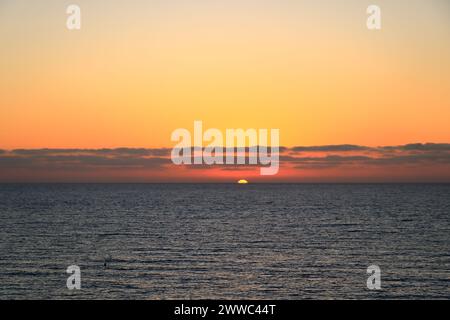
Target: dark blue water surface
[[162, 241]]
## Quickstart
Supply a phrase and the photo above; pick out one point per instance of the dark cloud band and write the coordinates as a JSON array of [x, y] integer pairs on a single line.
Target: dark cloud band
[[428, 154]]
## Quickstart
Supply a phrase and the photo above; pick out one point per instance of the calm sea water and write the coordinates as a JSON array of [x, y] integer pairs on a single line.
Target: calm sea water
[[184, 241]]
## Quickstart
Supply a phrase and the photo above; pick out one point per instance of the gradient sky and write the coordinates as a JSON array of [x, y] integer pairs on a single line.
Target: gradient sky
[[137, 70]]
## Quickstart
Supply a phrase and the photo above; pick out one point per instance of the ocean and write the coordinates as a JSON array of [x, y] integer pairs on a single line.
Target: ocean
[[225, 241]]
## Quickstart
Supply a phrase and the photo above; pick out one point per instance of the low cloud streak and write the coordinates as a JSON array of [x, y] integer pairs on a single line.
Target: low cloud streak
[[429, 160]]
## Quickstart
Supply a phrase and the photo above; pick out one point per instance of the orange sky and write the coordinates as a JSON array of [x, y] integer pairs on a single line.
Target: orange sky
[[138, 70]]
